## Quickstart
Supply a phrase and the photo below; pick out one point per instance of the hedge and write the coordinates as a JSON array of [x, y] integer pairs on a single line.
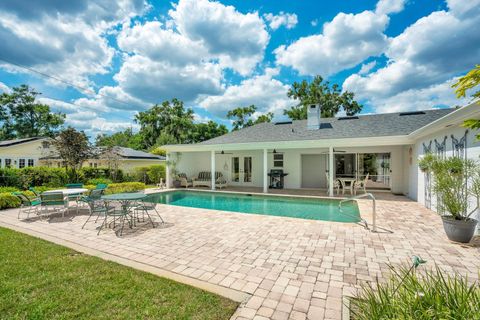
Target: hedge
[[125, 187], [8, 200]]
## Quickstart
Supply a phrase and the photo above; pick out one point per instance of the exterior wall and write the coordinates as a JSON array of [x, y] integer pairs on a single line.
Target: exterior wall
[[29, 150], [417, 187], [191, 163]]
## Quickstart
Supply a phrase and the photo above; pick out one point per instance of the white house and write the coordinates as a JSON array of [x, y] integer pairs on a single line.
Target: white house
[[384, 146], [38, 151]]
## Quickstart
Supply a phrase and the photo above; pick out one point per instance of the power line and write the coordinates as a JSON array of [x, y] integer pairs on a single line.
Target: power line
[[81, 88]]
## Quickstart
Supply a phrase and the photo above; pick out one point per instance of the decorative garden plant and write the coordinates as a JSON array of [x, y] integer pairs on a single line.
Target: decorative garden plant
[[456, 181]]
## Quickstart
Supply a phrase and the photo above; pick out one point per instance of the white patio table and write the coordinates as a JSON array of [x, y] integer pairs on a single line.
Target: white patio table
[[344, 182]]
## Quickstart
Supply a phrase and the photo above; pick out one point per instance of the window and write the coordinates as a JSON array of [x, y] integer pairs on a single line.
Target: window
[[31, 163], [95, 165], [278, 160], [21, 163], [46, 144], [8, 163]]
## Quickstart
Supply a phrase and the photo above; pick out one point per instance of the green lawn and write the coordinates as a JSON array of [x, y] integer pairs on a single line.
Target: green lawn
[[42, 280]]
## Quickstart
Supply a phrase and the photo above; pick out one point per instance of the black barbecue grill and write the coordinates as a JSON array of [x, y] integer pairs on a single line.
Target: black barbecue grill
[[276, 178]]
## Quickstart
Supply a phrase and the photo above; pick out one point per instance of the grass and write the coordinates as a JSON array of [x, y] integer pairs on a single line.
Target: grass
[[429, 295], [42, 280]]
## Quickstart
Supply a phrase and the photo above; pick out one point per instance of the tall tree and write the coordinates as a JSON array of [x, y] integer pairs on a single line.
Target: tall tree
[[168, 119], [207, 131], [243, 117], [465, 83], [126, 138], [73, 148], [330, 97], [22, 116]]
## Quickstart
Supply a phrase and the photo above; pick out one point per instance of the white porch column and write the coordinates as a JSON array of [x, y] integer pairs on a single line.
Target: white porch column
[[212, 169], [168, 178], [330, 171], [265, 171]]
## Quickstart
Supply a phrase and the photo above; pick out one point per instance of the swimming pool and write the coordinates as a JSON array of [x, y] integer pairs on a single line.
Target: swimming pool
[[295, 207]]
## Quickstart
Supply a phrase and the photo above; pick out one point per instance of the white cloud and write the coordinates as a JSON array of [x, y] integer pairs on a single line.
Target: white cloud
[[265, 92], [237, 40], [4, 88], [200, 119], [154, 41], [289, 20], [345, 42], [63, 39], [109, 99], [434, 96], [154, 82], [389, 6], [314, 23], [422, 57], [367, 67]]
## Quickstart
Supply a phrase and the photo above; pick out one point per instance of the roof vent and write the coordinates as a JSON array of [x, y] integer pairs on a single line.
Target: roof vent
[[348, 118], [411, 113], [313, 117], [283, 122]]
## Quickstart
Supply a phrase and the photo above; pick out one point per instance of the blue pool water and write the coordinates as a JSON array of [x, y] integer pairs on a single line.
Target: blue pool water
[[295, 207]]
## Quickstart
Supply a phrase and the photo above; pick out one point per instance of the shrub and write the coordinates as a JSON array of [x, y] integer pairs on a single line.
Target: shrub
[[38, 176], [141, 174], [98, 181], [125, 187], [409, 295], [8, 200], [156, 172], [8, 189], [90, 173], [151, 174], [9, 177]]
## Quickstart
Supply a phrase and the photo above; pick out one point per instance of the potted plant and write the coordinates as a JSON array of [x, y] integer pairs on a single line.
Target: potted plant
[[454, 183]]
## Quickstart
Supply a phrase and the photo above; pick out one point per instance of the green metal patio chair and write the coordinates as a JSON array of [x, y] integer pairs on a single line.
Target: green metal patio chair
[[148, 204], [93, 195], [35, 192], [27, 205], [55, 200], [76, 196], [101, 186], [115, 214]]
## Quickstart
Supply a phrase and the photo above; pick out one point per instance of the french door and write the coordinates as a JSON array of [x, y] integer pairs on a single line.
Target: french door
[[242, 167]]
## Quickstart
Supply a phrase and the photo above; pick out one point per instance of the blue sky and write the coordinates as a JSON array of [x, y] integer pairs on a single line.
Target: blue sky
[[217, 55]]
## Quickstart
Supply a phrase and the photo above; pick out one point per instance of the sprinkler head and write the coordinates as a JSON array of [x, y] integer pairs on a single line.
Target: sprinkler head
[[417, 261]]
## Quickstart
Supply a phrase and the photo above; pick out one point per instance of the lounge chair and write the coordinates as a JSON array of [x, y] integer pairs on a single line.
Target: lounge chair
[[27, 205], [184, 181], [204, 179]]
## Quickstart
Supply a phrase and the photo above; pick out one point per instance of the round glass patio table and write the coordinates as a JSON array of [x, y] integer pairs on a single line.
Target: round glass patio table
[[124, 198]]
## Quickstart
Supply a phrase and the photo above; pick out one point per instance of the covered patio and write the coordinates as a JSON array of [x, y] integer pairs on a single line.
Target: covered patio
[[313, 168]]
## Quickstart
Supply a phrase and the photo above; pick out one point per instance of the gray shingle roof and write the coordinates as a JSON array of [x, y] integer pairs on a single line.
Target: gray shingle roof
[[6, 143], [135, 154], [375, 125]]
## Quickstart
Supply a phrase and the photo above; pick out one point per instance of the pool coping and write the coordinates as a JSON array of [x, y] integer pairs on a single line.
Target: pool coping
[[232, 294]]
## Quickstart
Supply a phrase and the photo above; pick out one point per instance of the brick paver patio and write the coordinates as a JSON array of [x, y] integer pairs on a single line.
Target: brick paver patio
[[292, 268]]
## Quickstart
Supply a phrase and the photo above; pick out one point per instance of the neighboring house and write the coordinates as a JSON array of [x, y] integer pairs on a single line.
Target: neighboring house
[[38, 151], [19, 153], [316, 151]]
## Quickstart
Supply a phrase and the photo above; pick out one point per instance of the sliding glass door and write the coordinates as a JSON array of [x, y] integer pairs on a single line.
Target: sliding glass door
[[359, 165], [377, 167]]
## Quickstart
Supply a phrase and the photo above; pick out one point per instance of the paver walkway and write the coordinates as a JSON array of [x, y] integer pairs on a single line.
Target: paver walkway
[[293, 268]]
